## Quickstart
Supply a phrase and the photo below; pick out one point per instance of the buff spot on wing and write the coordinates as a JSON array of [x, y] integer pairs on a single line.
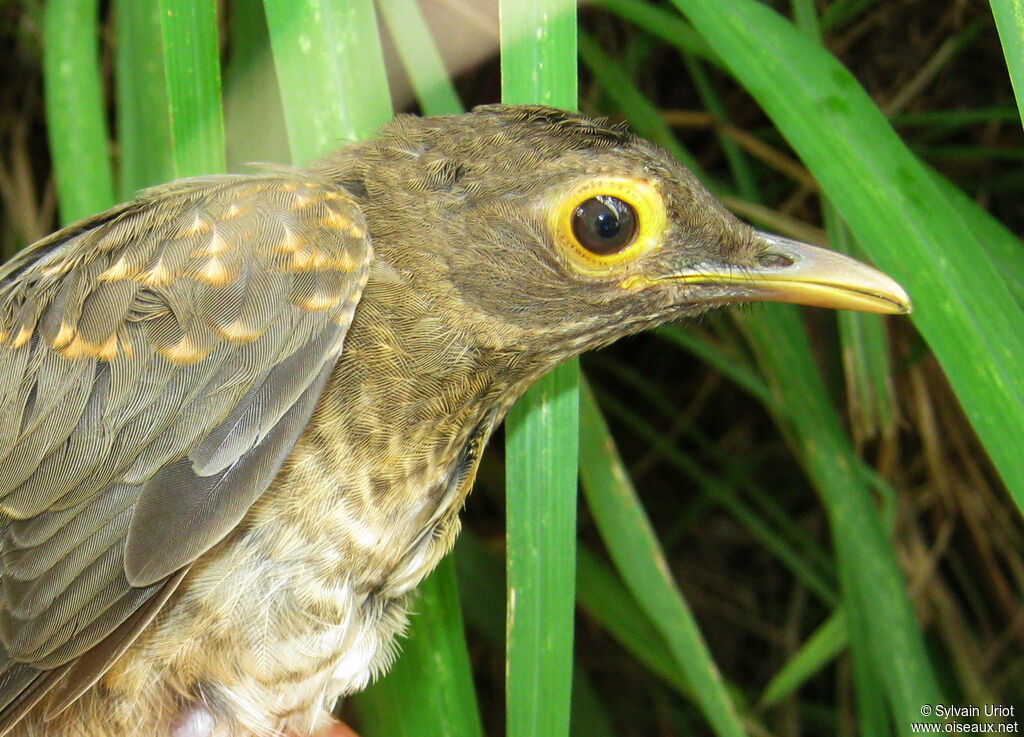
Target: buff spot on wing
[[157, 275], [302, 201], [320, 302], [353, 229], [239, 332], [216, 245], [117, 270], [64, 335], [183, 352], [334, 219], [311, 260], [199, 225], [108, 350], [234, 211], [126, 347], [24, 333], [290, 243], [214, 273], [79, 348], [346, 263]]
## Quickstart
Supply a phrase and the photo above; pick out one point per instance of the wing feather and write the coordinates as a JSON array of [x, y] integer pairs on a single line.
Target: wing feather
[[158, 363]]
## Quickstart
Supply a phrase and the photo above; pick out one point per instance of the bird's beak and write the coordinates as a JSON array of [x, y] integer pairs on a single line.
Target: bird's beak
[[791, 271]]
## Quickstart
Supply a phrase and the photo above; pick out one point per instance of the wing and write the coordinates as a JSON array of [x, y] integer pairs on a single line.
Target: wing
[[157, 364]]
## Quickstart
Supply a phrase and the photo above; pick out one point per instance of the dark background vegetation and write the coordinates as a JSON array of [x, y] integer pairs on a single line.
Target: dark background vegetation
[[936, 68]]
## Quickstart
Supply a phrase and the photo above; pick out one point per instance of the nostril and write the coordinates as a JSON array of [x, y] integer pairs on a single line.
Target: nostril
[[774, 260]]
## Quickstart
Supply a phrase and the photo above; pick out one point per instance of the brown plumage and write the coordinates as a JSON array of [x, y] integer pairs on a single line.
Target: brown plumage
[[239, 415]]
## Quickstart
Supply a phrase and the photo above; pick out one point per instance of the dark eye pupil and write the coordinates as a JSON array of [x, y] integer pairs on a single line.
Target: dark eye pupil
[[607, 225], [604, 224]]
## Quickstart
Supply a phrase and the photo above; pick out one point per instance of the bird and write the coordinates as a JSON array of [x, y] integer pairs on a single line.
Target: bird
[[240, 414]]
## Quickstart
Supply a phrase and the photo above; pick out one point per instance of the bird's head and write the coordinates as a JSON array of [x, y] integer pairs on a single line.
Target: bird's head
[[561, 229]]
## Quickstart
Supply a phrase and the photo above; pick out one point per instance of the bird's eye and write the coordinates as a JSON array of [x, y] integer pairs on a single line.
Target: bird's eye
[[604, 224]]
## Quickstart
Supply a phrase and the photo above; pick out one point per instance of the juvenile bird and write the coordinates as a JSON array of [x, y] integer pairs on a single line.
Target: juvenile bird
[[239, 415]]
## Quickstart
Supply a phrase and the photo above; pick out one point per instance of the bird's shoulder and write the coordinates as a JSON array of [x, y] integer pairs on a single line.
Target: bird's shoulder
[[203, 233]]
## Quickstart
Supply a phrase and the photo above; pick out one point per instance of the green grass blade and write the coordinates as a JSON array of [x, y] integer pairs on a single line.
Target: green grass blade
[[420, 57], [538, 65], [631, 542], [820, 649], [607, 602], [892, 204], [192, 69], [74, 108], [869, 389], [538, 52], [143, 128], [331, 72], [884, 631], [541, 438]]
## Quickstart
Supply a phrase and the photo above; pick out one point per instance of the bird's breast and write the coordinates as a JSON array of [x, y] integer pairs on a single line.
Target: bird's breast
[[302, 603]]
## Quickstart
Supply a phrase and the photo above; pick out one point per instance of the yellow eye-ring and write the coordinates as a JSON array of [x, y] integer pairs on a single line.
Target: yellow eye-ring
[[604, 222]]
